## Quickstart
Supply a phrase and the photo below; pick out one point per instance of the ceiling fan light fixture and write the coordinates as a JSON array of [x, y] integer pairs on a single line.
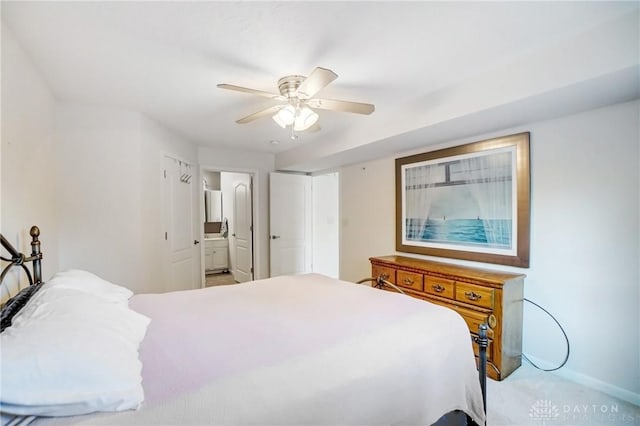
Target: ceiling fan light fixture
[[285, 116], [297, 98], [305, 118], [278, 120]]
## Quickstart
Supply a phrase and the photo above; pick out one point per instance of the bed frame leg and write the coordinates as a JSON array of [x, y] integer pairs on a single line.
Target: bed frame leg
[[36, 254], [19, 259], [483, 343]]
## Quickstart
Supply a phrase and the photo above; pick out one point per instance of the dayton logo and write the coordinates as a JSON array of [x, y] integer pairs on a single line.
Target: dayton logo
[[544, 410]]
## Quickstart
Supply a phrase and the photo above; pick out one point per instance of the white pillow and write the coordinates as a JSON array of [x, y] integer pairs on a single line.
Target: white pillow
[[69, 352], [89, 283]]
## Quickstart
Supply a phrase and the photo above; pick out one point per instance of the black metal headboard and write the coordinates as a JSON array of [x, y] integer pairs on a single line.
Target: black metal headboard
[[19, 259]]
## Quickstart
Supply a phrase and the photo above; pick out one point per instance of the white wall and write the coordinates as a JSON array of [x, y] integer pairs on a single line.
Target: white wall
[[109, 187], [27, 186], [99, 191], [585, 241], [89, 177], [367, 214], [260, 164]]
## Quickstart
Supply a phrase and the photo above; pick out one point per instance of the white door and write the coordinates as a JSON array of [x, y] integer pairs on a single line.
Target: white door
[[242, 232], [180, 268], [290, 223], [326, 241]]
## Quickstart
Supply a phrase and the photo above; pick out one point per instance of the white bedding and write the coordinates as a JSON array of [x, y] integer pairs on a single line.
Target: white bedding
[[298, 350]]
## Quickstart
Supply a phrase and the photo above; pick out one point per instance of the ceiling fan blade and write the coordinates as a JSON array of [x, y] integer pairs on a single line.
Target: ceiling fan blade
[[263, 113], [316, 81], [343, 106], [251, 91]]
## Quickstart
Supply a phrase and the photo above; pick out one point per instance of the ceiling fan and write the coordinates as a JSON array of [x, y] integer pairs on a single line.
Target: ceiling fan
[[297, 97]]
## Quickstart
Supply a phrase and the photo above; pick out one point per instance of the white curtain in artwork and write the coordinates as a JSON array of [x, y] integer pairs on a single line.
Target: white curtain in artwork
[[419, 184], [491, 183]]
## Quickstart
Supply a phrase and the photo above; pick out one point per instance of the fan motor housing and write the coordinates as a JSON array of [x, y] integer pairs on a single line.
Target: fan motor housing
[[288, 85]]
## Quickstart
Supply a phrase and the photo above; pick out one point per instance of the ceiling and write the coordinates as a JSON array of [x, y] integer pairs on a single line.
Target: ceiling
[[423, 64]]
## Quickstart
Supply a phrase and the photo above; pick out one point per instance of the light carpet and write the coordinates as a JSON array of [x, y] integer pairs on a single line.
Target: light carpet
[[533, 397]]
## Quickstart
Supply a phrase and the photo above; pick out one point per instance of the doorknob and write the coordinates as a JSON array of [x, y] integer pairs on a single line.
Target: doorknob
[[196, 242], [273, 237]]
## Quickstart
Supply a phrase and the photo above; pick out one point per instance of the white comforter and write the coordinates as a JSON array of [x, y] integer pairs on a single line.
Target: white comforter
[[299, 350]]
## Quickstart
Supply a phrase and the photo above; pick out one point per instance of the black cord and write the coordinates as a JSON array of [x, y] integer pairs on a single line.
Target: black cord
[[566, 358]]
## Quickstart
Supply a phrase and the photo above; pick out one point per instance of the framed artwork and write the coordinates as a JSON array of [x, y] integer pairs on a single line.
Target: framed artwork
[[467, 202]]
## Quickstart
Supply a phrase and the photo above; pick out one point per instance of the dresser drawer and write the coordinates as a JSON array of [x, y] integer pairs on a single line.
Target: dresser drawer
[[474, 294], [439, 286], [473, 320], [388, 274], [409, 280]]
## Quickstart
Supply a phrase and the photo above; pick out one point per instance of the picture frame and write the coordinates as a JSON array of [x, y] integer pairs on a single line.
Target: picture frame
[[468, 202]]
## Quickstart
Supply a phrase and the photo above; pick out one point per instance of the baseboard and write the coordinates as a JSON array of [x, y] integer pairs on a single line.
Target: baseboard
[[591, 382]]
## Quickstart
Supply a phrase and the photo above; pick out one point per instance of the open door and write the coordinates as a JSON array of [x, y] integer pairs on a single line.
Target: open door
[[242, 233], [290, 218]]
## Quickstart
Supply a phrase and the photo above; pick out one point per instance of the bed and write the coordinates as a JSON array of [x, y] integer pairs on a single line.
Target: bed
[[296, 350]]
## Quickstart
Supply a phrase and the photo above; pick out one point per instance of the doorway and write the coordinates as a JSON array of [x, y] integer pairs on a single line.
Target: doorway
[[227, 212]]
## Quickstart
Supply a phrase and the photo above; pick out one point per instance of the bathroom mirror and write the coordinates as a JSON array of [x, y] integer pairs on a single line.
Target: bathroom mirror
[[212, 206]]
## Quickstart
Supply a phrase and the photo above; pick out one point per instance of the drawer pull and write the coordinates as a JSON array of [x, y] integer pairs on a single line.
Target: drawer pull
[[492, 321], [408, 281], [472, 295], [437, 288]]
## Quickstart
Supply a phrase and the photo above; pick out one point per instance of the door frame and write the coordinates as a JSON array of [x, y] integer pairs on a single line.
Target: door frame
[[254, 202]]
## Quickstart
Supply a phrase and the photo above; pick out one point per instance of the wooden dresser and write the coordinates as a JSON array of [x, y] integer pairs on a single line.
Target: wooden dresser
[[478, 295]]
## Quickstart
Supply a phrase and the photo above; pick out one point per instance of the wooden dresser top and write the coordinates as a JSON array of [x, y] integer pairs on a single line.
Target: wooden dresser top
[[446, 268]]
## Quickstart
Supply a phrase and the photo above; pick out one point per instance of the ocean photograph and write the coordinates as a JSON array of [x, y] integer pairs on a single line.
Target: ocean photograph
[[461, 231], [465, 201]]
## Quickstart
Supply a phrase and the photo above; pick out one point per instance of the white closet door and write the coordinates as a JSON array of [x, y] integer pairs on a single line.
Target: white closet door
[[180, 269], [326, 233], [290, 224]]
